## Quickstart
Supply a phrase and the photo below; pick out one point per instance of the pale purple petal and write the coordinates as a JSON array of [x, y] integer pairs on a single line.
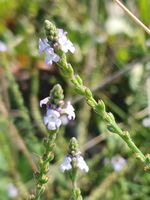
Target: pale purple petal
[[54, 113], [51, 126], [46, 120], [65, 44], [44, 101], [81, 164], [43, 44], [64, 119], [58, 123], [51, 120], [66, 164], [61, 32], [50, 56], [69, 110], [48, 60]]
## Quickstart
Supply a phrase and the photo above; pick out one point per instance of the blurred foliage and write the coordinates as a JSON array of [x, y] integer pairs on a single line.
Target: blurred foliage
[[112, 57]]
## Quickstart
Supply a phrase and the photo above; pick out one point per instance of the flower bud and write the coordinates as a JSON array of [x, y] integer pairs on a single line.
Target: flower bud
[[109, 117], [41, 187], [88, 93], [111, 128], [50, 30], [100, 107], [43, 179], [56, 95], [79, 80], [73, 146], [69, 70]]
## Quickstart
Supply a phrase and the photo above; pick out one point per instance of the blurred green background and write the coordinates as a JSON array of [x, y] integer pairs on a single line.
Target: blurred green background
[[112, 57]]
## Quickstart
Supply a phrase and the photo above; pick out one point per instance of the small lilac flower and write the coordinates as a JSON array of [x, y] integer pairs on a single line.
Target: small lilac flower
[[78, 159], [52, 119], [56, 112], [43, 44], [81, 164], [50, 56], [69, 110], [64, 119], [65, 44], [118, 163], [44, 101], [66, 164], [55, 116], [3, 47]]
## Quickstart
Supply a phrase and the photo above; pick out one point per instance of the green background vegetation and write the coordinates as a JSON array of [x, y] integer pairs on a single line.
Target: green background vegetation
[[112, 57]]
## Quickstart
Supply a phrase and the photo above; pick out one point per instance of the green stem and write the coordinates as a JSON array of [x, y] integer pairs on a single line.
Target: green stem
[[99, 107], [76, 192], [41, 177]]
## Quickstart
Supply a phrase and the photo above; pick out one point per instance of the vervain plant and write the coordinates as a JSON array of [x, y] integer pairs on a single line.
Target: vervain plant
[[56, 114], [55, 47]]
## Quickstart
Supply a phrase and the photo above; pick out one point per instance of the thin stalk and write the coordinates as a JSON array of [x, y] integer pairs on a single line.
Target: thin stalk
[[41, 176], [133, 17], [99, 108]]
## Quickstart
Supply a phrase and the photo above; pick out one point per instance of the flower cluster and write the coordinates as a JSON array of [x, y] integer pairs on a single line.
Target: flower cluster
[[65, 44], [78, 160], [61, 41], [74, 159], [56, 112], [50, 55]]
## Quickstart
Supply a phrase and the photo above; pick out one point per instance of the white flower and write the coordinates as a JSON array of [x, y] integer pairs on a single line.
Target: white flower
[[65, 44], [118, 163], [3, 47], [12, 190], [44, 101], [80, 163], [51, 120], [69, 110], [50, 56], [66, 164], [146, 122], [43, 44]]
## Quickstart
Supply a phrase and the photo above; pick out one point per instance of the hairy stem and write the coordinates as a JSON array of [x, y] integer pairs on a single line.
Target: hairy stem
[[99, 107], [41, 177]]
